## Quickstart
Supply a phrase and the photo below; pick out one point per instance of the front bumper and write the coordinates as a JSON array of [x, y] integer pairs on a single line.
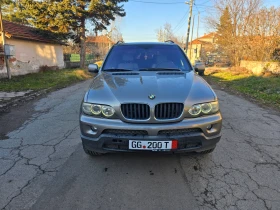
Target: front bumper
[[104, 135]]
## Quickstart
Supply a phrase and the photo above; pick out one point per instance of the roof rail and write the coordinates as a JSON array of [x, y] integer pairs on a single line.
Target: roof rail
[[169, 41], [119, 42]]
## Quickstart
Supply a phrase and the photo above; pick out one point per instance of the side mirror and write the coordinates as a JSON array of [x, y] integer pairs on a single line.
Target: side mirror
[[93, 68]]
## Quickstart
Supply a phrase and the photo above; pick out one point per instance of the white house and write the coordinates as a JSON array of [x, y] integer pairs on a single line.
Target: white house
[[199, 48], [32, 48]]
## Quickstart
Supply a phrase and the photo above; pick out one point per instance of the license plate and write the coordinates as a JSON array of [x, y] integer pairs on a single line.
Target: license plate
[[152, 145]]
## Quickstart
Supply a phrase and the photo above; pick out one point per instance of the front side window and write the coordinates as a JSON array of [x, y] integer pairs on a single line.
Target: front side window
[[140, 57]]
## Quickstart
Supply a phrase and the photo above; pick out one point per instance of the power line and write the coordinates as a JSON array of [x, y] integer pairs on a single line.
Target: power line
[[185, 15], [205, 6], [196, 7], [205, 2], [178, 29], [153, 2]]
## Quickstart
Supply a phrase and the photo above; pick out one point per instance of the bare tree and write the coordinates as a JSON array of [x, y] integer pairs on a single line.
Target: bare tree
[[114, 34], [261, 37], [165, 33], [241, 12]]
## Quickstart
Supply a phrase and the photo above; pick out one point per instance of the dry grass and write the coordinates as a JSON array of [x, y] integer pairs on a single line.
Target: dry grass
[[264, 88]]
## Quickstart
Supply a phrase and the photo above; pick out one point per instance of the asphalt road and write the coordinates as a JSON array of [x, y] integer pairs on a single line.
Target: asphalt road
[[42, 165]]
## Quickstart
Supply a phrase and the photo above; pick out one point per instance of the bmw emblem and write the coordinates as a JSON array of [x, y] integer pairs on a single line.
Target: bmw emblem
[[152, 97]]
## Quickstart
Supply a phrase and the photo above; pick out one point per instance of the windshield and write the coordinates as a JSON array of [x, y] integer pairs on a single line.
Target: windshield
[[146, 57]]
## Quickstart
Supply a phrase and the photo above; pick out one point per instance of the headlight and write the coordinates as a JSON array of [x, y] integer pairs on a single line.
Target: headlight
[[195, 110], [87, 108], [205, 108], [107, 111], [98, 110]]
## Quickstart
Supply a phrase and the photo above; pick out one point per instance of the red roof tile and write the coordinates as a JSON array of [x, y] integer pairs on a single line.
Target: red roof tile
[[19, 31], [210, 35], [196, 41]]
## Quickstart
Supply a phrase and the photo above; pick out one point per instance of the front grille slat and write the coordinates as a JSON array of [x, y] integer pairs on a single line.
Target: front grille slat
[[164, 112], [161, 111], [167, 111], [142, 110], [139, 110], [136, 111], [126, 112], [132, 111], [129, 111]]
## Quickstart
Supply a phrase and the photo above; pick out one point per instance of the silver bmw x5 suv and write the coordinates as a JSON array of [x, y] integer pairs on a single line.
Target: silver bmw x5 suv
[[147, 97]]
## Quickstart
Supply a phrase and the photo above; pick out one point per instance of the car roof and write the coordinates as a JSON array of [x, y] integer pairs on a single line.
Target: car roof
[[145, 43]]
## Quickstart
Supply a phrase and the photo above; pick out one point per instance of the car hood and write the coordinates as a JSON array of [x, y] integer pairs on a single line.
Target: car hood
[[130, 87]]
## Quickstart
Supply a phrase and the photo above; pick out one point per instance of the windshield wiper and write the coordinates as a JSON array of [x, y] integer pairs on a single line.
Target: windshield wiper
[[116, 70], [159, 69]]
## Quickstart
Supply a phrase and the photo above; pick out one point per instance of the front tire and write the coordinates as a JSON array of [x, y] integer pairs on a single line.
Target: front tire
[[90, 152], [201, 73]]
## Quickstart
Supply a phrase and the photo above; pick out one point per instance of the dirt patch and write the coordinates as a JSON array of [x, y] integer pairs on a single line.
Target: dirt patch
[[15, 118], [6, 106]]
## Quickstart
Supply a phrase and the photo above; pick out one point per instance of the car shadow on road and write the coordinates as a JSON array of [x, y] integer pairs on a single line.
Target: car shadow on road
[[119, 179]]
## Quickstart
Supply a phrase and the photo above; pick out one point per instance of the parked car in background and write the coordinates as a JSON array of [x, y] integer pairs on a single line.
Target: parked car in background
[[209, 63], [146, 97], [199, 67]]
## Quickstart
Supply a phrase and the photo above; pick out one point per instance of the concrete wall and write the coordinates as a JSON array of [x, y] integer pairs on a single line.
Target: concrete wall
[[29, 56], [258, 67]]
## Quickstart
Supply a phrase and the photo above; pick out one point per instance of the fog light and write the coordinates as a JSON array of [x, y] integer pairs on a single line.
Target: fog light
[[94, 128], [209, 127]]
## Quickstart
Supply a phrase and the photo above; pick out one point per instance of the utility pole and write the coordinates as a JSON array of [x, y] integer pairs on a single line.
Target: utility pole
[[197, 34], [4, 42], [192, 39], [189, 24]]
